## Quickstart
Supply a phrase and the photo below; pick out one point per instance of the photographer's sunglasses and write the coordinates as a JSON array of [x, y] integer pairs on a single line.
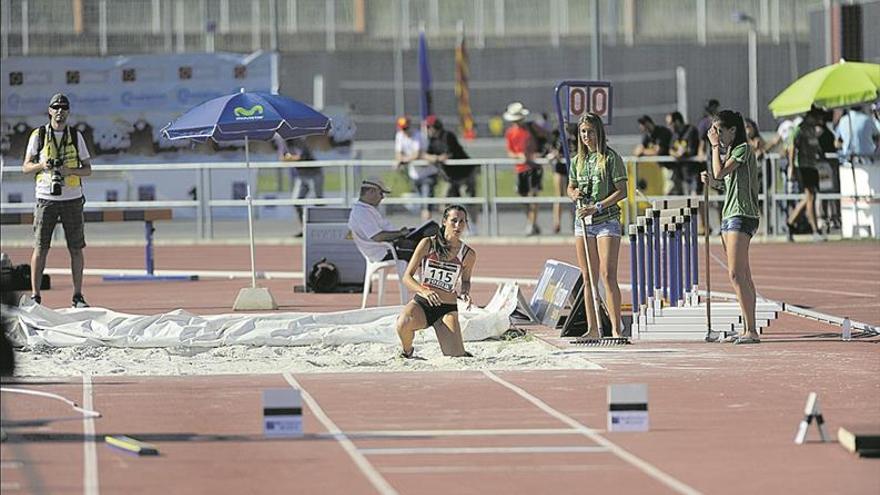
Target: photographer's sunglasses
[[60, 107]]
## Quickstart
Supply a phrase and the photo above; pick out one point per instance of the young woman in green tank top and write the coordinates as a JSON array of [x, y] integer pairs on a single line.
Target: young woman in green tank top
[[739, 218], [596, 183]]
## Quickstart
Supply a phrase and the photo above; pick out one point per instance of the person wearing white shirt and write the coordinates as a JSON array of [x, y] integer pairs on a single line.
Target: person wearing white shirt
[[57, 155], [409, 146]]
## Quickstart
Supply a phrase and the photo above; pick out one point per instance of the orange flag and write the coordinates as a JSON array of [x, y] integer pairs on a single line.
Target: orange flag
[[462, 93]]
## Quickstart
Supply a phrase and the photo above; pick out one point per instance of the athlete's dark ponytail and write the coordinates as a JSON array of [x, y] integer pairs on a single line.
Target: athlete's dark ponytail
[[439, 244]]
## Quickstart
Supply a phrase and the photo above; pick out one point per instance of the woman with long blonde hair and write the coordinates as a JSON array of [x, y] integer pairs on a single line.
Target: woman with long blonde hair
[[596, 183]]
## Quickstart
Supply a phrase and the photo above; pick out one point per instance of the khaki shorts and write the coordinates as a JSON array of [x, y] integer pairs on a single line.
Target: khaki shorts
[[70, 212]]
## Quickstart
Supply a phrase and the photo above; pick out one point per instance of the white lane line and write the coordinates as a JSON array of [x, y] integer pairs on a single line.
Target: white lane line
[[369, 471], [90, 453], [510, 468], [11, 486], [461, 433], [484, 450], [636, 461]]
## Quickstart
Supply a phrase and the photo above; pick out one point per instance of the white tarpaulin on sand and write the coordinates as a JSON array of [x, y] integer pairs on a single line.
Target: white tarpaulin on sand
[[38, 326]]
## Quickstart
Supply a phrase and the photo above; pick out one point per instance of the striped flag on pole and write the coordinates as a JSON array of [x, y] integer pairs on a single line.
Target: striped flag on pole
[[462, 93]]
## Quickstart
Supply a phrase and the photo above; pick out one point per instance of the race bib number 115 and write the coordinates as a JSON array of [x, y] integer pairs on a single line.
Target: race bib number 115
[[440, 275]]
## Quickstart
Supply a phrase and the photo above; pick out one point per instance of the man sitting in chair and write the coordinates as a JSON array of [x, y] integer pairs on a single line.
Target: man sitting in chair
[[367, 222]]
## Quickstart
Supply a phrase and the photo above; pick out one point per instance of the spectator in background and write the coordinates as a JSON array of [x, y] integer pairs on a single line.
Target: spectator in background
[[857, 135], [655, 138], [804, 155], [58, 156], [304, 179], [556, 156], [710, 110], [684, 148], [753, 136], [523, 146], [409, 146], [444, 145]]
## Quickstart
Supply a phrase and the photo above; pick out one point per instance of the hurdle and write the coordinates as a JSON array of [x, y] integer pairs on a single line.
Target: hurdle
[[148, 216], [665, 279]]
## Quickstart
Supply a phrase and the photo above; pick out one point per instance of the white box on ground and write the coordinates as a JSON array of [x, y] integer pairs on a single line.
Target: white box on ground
[[628, 407], [282, 413]]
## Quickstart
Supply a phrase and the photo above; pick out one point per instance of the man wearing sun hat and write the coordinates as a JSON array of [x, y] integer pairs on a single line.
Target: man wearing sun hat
[[368, 223], [522, 145]]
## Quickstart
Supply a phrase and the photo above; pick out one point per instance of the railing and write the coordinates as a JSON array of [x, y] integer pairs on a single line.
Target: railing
[[351, 172]]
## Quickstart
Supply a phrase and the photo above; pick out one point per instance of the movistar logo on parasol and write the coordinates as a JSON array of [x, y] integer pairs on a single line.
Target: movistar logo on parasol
[[253, 113]]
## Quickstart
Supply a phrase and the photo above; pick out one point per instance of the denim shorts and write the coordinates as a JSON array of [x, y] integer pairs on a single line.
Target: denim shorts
[[608, 228], [746, 225]]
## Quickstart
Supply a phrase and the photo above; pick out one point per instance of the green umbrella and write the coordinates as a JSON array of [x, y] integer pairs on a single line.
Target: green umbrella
[[833, 86]]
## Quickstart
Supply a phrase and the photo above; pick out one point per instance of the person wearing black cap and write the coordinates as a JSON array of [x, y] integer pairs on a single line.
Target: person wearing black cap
[[57, 154]]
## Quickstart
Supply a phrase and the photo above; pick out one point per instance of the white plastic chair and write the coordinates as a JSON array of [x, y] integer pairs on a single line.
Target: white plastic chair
[[378, 269]]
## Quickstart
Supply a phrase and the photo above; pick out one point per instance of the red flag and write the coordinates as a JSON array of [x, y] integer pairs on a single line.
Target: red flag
[[462, 93]]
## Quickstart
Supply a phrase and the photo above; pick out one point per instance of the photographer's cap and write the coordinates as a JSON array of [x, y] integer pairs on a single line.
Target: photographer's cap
[[59, 99], [377, 183]]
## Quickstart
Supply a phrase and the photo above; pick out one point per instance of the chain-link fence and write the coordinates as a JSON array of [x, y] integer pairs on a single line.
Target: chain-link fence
[[107, 27]]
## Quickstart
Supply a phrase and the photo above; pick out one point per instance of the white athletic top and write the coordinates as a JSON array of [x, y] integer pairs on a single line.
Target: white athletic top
[[365, 221]]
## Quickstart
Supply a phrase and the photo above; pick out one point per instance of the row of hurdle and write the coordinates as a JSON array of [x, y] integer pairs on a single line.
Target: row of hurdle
[[666, 302]]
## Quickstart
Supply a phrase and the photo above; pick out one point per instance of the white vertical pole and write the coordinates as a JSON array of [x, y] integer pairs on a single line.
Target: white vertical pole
[[330, 14], [434, 17], [681, 92], [775, 20], [273, 25], [398, 60], [102, 27], [829, 54], [250, 210], [764, 17], [255, 25], [179, 14], [595, 42], [224, 16], [318, 91], [274, 59], [554, 22], [156, 16], [753, 72], [168, 28], [479, 24], [25, 29], [702, 28], [4, 18], [499, 17], [404, 24], [292, 19]]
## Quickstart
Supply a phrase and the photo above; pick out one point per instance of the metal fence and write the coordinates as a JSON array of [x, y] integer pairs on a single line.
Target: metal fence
[[773, 191], [107, 27]]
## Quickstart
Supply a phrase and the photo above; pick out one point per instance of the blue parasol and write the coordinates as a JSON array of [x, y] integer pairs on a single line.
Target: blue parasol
[[244, 116]]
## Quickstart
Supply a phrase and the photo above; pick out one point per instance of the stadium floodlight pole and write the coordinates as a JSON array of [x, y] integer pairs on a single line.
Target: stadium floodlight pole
[[742, 17], [595, 43]]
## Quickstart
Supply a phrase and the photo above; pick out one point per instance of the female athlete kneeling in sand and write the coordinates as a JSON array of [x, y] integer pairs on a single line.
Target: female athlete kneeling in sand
[[442, 259]]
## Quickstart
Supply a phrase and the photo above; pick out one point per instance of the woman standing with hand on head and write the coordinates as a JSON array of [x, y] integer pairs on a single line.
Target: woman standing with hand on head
[[740, 215], [443, 259], [596, 182]]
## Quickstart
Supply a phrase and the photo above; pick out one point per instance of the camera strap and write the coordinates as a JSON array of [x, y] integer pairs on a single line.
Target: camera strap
[[59, 148]]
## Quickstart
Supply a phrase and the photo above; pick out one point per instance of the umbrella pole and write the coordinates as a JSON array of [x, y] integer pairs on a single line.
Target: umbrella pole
[[250, 210], [857, 230]]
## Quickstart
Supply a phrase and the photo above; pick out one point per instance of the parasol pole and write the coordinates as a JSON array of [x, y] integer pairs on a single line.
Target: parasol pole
[[250, 210], [857, 230]]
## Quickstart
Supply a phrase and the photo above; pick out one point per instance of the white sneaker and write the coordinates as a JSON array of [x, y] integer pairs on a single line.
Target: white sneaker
[[817, 237]]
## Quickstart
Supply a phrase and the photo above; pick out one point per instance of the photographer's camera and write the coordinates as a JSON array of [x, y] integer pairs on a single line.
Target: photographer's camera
[[57, 178]]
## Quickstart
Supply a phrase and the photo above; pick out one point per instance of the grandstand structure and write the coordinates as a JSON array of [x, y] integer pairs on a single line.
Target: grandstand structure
[[361, 54]]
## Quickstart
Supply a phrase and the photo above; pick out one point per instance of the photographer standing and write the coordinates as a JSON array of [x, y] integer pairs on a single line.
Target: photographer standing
[[58, 155]]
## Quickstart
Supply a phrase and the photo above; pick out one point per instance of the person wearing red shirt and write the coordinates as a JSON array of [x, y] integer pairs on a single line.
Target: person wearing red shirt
[[522, 145]]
